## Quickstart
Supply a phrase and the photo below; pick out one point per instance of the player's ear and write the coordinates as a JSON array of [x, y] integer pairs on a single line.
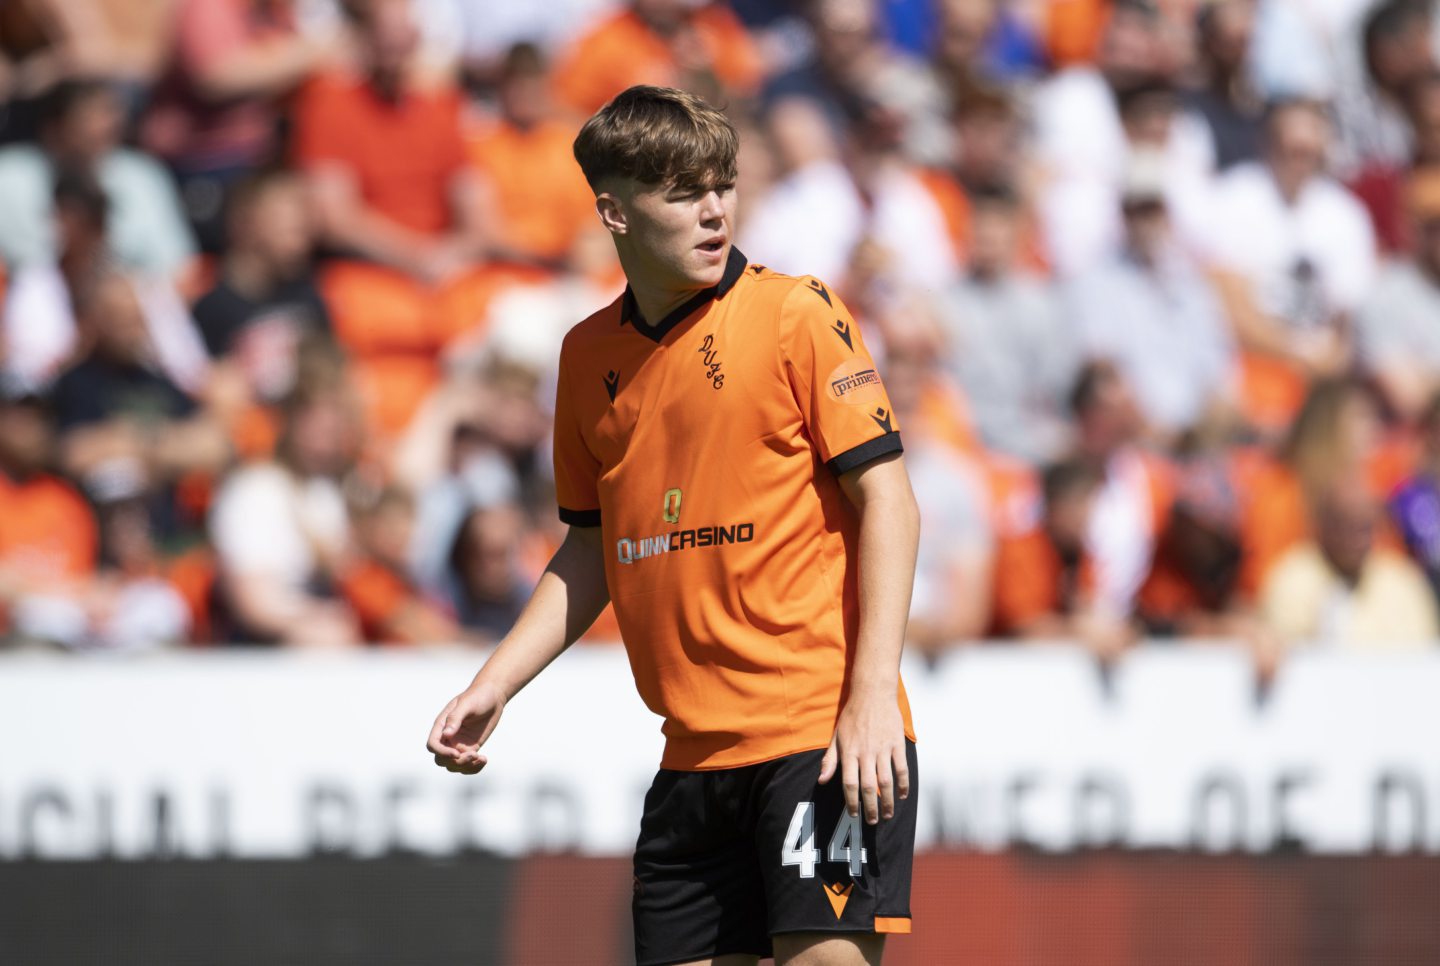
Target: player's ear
[[612, 213]]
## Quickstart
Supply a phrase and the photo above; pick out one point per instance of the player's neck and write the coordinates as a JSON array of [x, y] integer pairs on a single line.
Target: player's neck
[[655, 300]]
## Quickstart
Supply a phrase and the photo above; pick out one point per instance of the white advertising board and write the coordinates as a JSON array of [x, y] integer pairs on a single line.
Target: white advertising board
[[260, 754]]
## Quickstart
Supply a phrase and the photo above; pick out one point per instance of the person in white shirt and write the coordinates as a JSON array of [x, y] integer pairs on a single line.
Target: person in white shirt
[[81, 130], [815, 216], [1398, 326], [1294, 251], [1154, 314], [281, 529]]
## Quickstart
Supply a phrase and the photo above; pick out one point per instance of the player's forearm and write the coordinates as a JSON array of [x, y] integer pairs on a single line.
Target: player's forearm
[[889, 538], [570, 595]]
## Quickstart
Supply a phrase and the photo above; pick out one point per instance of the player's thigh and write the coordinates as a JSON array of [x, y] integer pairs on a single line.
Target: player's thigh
[[828, 949], [698, 894], [825, 870]]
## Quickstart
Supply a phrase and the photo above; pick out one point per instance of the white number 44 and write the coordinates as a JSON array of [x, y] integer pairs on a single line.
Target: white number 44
[[845, 844]]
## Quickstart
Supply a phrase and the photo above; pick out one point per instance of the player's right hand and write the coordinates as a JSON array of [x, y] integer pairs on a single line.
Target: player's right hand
[[465, 725]]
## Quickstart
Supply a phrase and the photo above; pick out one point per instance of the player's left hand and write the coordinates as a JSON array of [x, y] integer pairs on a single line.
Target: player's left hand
[[869, 751]]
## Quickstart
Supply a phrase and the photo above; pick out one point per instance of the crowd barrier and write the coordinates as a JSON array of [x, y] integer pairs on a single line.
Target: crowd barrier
[[262, 755]]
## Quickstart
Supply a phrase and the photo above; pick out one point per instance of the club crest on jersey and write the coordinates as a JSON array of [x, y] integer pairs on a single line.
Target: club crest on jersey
[[612, 383], [712, 362], [842, 329]]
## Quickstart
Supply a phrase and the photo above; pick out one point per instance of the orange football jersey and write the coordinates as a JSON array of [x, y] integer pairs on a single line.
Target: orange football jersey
[[706, 447]]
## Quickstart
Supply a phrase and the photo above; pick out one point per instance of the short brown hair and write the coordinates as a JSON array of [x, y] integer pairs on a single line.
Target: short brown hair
[[658, 135]]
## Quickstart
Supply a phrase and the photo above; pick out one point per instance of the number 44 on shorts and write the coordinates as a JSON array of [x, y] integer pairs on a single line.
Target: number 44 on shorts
[[845, 844]]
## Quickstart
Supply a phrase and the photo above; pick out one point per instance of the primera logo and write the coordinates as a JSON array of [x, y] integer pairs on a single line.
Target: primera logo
[[859, 380]]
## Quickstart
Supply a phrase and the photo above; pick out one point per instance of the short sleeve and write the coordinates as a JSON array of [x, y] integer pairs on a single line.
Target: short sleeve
[[577, 471], [834, 380]]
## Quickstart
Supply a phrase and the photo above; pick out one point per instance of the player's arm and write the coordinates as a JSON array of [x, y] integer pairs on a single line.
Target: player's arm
[[870, 734], [569, 597]]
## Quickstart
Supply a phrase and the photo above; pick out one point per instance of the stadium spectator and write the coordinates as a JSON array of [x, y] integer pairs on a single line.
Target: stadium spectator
[[1415, 504], [1379, 122], [1341, 590], [81, 129], [1078, 125], [1194, 585], [488, 31], [265, 302], [1384, 189], [954, 570], [1397, 335], [1423, 111], [1080, 206], [987, 157], [1006, 342], [524, 154], [215, 114], [39, 319], [1338, 433], [411, 222], [1044, 576], [1134, 497], [1295, 255], [489, 590], [963, 49], [1226, 97], [127, 429], [281, 528], [1151, 311], [133, 604], [46, 42], [1396, 48], [852, 71], [377, 584], [903, 250], [700, 47], [881, 201], [38, 331], [49, 543]]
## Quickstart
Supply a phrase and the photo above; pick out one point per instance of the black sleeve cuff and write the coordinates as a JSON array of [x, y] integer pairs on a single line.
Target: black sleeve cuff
[[865, 453], [580, 518]]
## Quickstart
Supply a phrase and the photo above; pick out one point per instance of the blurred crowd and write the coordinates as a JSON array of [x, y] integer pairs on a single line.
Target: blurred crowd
[[1154, 284]]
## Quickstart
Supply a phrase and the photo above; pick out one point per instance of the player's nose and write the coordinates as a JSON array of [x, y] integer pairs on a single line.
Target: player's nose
[[711, 209]]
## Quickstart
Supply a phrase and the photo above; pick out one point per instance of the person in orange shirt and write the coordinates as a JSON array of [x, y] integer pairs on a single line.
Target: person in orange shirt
[[524, 155], [48, 535], [383, 152], [730, 467], [377, 585], [698, 47], [1044, 576]]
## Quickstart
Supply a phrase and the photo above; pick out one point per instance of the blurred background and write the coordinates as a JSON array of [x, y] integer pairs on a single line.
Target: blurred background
[[1154, 286]]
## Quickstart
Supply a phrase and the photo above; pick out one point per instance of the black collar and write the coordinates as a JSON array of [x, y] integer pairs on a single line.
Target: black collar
[[629, 312]]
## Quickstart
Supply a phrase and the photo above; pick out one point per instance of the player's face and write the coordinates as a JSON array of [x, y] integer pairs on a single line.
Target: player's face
[[676, 238]]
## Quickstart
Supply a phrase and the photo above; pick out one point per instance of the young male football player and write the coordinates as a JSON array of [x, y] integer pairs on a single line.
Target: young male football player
[[727, 460]]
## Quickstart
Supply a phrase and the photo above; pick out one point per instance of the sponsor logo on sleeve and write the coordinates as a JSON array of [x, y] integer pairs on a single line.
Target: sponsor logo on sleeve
[[856, 383], [858, 380]]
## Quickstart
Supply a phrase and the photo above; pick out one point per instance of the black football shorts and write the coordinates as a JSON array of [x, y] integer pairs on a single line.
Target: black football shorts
[[728, 858]]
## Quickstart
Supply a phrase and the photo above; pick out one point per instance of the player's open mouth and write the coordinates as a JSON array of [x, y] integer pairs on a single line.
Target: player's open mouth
[[713, 246]]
